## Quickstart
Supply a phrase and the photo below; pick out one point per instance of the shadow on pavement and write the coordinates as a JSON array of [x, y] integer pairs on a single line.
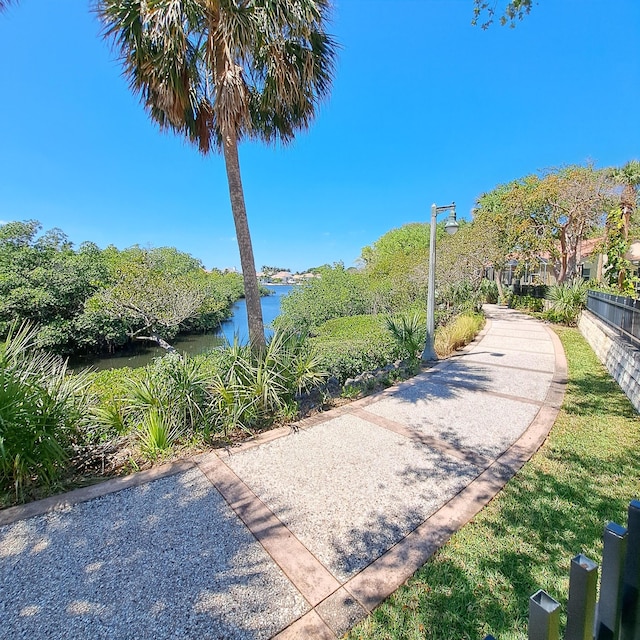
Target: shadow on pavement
[[164, 560]]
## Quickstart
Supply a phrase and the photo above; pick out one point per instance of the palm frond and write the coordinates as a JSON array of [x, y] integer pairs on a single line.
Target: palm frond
[[250, 69]]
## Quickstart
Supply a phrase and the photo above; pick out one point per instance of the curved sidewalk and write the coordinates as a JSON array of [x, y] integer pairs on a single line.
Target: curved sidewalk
[[298, 533]]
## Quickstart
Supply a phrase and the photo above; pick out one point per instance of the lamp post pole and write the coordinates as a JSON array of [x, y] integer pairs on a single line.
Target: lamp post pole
[[429, 354]]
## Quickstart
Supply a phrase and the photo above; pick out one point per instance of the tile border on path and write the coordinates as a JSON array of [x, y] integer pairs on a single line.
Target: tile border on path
[[371, 586], [84, 494]]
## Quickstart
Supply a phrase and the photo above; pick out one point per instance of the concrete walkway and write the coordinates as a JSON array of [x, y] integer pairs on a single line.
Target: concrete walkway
[[299, 533]]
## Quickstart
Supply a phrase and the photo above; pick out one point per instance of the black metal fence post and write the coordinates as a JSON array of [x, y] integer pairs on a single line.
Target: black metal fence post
[[544, 617], [613, 556], [630, 591], [583, 582]]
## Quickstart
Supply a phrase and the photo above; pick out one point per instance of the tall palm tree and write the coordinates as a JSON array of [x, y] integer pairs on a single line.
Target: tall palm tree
[[628, 176], [220, 71]]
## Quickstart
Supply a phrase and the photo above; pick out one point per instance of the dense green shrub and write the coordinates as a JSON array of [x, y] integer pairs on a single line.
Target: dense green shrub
[[111, 384], [93, 300], [526, 303], [42, 410], [395, 266], [488, 291], [349, 346], [551, 315], [337, 293]]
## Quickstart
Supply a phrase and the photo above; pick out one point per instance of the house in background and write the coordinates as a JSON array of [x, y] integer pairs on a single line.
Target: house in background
[[590, 264], [283, 277]]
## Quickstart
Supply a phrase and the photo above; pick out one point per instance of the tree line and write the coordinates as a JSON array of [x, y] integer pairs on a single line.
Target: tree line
[[545, 215], [100, 300], [550, 214]]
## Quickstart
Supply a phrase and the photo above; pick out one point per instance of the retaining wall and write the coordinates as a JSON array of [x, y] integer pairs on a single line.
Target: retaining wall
[[620, 357]]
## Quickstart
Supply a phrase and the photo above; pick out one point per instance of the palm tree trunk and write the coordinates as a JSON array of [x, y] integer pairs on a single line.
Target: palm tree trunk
[[247, 262]]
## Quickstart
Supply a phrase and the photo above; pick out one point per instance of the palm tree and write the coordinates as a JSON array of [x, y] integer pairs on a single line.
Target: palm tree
[[220, 71], [628, 176]]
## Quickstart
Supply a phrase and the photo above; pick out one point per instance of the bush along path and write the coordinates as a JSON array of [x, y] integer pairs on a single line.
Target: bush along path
[[300, 533]]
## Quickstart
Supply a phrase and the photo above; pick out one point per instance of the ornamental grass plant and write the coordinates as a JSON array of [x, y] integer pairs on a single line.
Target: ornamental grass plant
[[457, 333]]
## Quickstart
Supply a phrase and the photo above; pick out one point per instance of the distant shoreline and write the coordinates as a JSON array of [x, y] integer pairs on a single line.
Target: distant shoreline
[[277, 284]]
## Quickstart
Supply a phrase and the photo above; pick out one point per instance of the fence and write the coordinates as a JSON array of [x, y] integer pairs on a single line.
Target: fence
[[623, 314], [532, 290], [616, 616]]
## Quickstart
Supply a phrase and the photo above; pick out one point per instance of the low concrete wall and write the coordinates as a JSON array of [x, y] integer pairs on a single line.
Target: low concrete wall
[[620, 357]]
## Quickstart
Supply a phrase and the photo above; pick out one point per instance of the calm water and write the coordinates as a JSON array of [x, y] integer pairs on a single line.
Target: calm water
[[197, 343]]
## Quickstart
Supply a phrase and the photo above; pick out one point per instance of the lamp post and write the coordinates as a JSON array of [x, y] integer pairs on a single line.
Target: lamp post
[[451, 226]]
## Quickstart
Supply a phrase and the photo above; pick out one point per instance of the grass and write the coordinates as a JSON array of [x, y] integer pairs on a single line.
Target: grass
[[557, 506], [457, 333]]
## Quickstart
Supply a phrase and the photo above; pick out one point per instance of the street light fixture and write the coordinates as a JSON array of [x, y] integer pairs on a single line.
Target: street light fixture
[[451, 226]]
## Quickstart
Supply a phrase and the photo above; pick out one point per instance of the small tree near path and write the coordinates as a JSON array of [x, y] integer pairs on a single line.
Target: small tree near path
[[151, 303]]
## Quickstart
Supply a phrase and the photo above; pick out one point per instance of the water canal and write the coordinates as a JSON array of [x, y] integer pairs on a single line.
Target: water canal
[[196, 343]]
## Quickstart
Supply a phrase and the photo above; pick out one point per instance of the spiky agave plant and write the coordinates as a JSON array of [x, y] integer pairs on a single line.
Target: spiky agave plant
[[291, 368], [253, 389], [157, 432], [43, 408], [568, 300], [232, 405], [409, 332], [169, 401]]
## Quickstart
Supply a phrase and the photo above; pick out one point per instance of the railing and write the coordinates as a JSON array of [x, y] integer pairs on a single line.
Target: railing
[[616, 616], [623, 314], [533, 290]]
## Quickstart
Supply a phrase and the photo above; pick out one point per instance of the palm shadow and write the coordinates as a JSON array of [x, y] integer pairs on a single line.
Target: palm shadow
[[542, 521], [478, 425], [424, 489]]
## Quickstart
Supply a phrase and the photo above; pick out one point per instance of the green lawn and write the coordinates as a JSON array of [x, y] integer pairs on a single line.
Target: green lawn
[[584, 476]]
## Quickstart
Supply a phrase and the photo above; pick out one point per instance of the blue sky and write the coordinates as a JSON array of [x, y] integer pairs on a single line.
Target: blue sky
[[425, 108]]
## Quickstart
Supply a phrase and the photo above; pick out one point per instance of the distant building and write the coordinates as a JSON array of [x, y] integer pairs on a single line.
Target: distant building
[[299, 278], [590, 264], [284, 277]]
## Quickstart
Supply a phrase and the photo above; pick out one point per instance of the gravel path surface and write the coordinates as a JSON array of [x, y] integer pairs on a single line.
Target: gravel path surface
[[483, 423], [349, 490], [165, 560], [476, 376]]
